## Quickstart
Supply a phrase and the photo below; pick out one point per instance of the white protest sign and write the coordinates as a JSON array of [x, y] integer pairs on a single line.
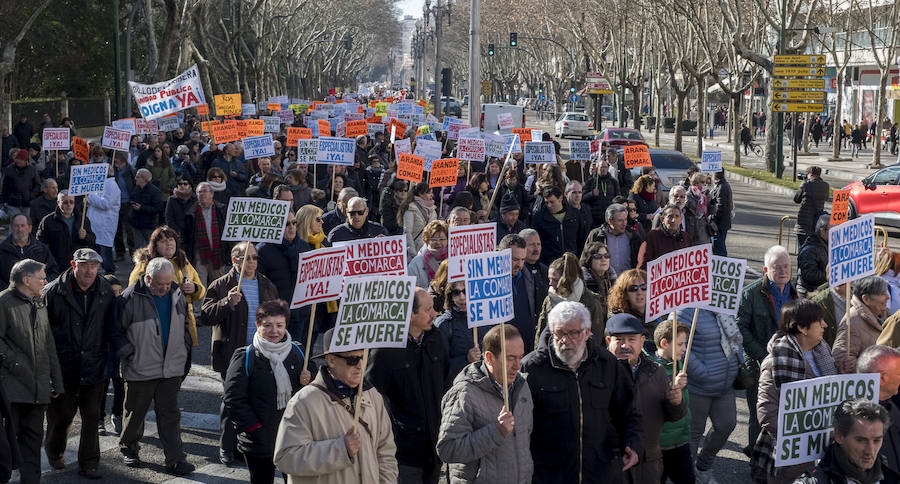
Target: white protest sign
[[115, 139], [335, 151], [84, 179], [307, 149], [248, 109], [726, 283], [403, 146], [540, 152], [711, 161], [678, 280], [282, 99], [379, 255], [470, 149], [470, 133], [489, 298], [453, 130], [504, 121], [271, 124], [55, 139], [128, 124], [851, 250], [144, 126], [537, 135], [286, 116], [320, 275], [258, 146], [255, 220], [167, 97], [374, 313], [168, 123], [466, 240], [495, 146], [374, 128], [513, 139], [806, 409], [428, 149], [580, 150]]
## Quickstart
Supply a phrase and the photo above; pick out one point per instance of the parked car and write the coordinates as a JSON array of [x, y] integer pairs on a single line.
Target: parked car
[[574, 124], [607, 113], [620, 137], [671, 167], [452, 107], [878, 194]]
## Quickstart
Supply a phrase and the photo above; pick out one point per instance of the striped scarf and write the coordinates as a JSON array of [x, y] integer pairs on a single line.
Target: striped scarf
[[207, 250]]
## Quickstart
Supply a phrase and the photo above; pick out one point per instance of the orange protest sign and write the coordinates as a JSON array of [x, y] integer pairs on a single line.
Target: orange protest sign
[[208, 125], [401, 128], [356, 128], [228, 104], [324, 128], [524, 134], [273, 106], [359, 109], [315, 105], [241, 128], [372, 104], [444, 172], [256, 127], [225, 133], [374, 120], [203, 109], [637, 156], [81, 148], [389, 99], [840, 206], [339, 101], [293, 134], [422, 103], [410, 167]]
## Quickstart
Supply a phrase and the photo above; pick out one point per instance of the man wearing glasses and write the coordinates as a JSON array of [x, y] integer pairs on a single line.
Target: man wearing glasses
[[358, 226], [316, 438], [586, 427]]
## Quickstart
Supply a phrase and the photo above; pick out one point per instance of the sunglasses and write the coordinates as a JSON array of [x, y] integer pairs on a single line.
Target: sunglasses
[[637, 287], [294, 223], [600, 256], [184, 184], [457, 292], [359, 213], [215, 177], [319, 219], [351, 360], [249, 257]]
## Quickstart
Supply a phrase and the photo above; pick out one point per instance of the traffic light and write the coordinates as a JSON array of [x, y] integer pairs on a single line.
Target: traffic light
[[348, 42], [572, 86], [490, 49], [513, 39], [541, 88], [446, 81]]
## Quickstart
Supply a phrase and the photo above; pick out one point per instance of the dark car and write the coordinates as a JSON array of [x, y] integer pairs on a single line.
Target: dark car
[[671, 167], [620, 137], [452, 108], [878, 194]]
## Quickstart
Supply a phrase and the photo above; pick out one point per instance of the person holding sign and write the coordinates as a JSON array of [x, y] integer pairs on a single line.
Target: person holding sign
[[797, 352], [668, 237], [862, 325], [454, 327], [480, 437], [63, 233], [317, 439]]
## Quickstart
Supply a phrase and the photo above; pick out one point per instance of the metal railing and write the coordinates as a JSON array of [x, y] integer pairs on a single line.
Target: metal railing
[[792, 241]]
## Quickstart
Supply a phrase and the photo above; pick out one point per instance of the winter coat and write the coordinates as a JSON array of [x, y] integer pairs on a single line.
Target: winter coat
[[181, 273], [594, 304], [417, 269], [309, 446], [63, 243], [125, 180], [150, 199], [660, 242], [458, 337], [623, 175], [39, 208], [344, 232], [721, 200], [811, 264], [825, 298], [828, 470], [890, 447], [559, 237], [470, 441], [389, 212], [601, 233], [278, 263], [229, 323], [414, 223], [163, 176], [757, 319], [582, 418], [20, 185], [251, 399], [176, 211], [103, 210], [29, 366], [503, 230], [710, 372], [519, 194], [675, 433], [143, 357], [645, 209], [332, 219], [235, 186], [85, 326], [10, 458], [10, 253], [811, 196], [864, 329], [607, 189], [189, 237], [412, 381], [23, 133]]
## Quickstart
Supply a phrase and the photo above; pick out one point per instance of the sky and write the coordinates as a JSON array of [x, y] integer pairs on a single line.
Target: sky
[[411, 7]]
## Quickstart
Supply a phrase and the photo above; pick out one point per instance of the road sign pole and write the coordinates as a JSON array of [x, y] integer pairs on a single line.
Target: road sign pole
[[794, 117], [779, 135]]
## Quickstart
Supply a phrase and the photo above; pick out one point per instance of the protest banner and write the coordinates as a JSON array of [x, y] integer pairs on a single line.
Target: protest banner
[[711, 161], [85, 179], [286, 116], [255, 220], [225, 133], [255, 127], [320, 278], [453, 130], [168, 123], [81, 149], [55, 139], [524, 134], [540, 152], [467, 240], [678, 280], [504, 121], [356, 128], [181, 92], [271, 124], [307, 149], [294, 134], [512, 140], [241, 127], [726, 283], [115, 139], [324, 127], [428, 149], [470, 149], [840, 206], [537, 135], [273, 107], [403, 146], [488, 279], [401, 127], [128, 124], [423, 129], [409, 167], [806, 410], [375, 256], [470, 133], [580, 150], [143, 126], [851, 250], [637, 156], [282, 99], [248, 109], [595, 145], [228, 104], [495, 146], [335, 151], [448, 120], [380, 109], [258, 146], [444, 172], [341, 130], [203, 109]]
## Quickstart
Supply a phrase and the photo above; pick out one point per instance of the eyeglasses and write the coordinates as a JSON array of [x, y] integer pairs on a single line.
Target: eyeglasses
[[560, 335], [319, 219], [215, 177], [637, 287], [249, 257], [600, 256], [184, 184], [438, 239], [351, 360], [457, 292], [357, 213]]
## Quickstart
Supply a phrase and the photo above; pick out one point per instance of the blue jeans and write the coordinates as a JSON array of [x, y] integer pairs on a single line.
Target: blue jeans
[[109, 259], [718, 246]]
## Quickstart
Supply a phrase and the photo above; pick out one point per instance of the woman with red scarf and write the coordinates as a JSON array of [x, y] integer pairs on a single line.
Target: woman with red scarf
[[643, 193]]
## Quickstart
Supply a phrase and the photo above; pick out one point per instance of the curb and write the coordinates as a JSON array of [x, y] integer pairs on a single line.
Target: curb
[[759, 184]]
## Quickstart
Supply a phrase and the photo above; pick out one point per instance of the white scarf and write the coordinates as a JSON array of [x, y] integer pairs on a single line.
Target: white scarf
[[575, 295], [276, 353]]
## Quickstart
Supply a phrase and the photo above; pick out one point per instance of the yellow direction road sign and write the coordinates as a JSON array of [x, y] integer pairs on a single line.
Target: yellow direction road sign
[[600, 91], [800, 59], [800, 95], [799, 83], [798, 107], [800, 71]]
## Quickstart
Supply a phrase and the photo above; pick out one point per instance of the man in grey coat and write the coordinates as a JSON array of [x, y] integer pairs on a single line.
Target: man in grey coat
[[481, 439]]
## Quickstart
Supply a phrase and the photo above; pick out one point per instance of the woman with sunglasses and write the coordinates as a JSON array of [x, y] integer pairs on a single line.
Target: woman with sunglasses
[[310, 237], [629, 295], [455, 329], [566, 284], [181, 199], [597, 270], [414, 214], [216, 179]]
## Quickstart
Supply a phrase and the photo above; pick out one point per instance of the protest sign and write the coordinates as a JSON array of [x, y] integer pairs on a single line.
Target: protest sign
[[504, 121], [335, 151], [448, 120], [595, 145], [203, 109], [513, 139], [273, 107], [580, 150], [307, 149], [225, 133], [430, 150], [271, 124], [81, 149], [248, 109], [403, 146], [840, 207], [851, 250], [374, 128], [488, 279], [524, 134], [356, 128], [453, 130], [537, 135], [255, 127], [228, 104], [376, 256], [711, 161], [470, 133], [424, 129], [168, 123], [405, 108], [286, 116], [495, 146], [143, 126], [409, 167], [470, 149], [320, 274], [726, 282], [380, 109], [466, 240], [323, 127], [115, 139], [294, 134], [637, 156], [85, 179], [282, 99], [167, 97], [128, 124], [401, 128], [258, 146], [806, 410], [55, 139], [340, 130], [444, 172], [678, 280], [540, 152], [374, 313], [255, 220]]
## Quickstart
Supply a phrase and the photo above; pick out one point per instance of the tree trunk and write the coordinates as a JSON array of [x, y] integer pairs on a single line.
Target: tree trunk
[[680, 98], [658, 114], [771, 128], [806, 122], [636, 106], [736, 128], [879, 116], [701, 113]]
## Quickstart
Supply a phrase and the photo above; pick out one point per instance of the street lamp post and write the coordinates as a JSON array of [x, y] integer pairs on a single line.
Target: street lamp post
[[474, 63], [437, 12]]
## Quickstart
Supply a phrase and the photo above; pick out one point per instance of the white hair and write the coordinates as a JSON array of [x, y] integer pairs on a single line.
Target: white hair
[[158, 265], [567, 311], [873, 358], [525, 233], [773, 253], [144, 173], [674, 190], [572, 185]]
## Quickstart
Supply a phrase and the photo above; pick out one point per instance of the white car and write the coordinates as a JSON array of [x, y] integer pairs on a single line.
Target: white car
[[574, 124]]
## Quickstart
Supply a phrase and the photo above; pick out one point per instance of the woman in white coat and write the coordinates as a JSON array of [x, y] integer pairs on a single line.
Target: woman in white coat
[[103, 211], [414, 214]]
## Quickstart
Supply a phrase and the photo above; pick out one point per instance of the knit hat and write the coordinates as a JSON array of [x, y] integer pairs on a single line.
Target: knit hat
[[508, 203], [22, 155]]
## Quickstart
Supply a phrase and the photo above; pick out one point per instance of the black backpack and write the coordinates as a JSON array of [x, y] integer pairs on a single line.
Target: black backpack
[[249, 351]]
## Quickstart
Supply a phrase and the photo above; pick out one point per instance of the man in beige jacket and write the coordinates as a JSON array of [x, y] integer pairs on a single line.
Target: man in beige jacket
[[316, 441]]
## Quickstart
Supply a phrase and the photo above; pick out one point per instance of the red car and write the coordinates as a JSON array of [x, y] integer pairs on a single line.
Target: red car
[[879, 194], [618, 137]]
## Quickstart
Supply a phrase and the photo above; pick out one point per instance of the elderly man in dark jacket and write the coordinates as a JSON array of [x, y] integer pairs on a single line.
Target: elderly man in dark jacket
[[561, 228], [811, 196], [63, 231], [202, 237], [586, 425], [812, 261], [146, 205], [44, 204], [412, 381], [21, 183], [19, 245], [357, 226]]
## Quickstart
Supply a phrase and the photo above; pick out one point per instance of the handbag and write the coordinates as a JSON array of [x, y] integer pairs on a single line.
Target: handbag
[[747, 375]]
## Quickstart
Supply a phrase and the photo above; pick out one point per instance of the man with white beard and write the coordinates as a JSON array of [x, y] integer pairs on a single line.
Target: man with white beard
[[569, 375]]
